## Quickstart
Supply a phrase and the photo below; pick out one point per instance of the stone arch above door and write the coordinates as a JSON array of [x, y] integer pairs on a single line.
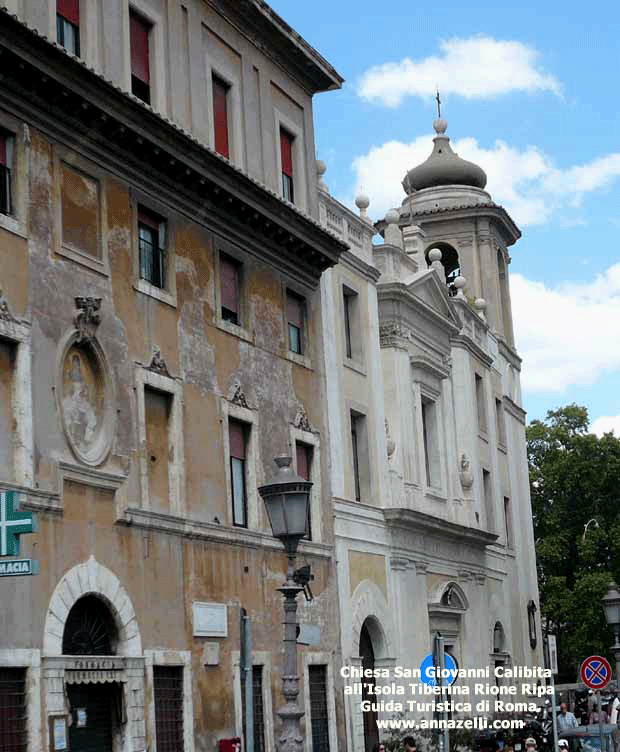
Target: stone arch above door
[[369, 602], [91, 578]]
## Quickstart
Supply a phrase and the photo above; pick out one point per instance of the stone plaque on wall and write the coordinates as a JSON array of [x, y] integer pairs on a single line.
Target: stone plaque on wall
[[210, 619]]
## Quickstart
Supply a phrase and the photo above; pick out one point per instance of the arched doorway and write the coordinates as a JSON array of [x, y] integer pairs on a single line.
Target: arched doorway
[[367, 654], [96, 708]]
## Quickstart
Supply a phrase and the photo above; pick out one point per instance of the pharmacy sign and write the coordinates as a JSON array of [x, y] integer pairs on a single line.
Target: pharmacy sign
[[13, 523]]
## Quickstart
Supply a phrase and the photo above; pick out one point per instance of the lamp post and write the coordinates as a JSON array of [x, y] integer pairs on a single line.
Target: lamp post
[[611, 606], [286, 499]]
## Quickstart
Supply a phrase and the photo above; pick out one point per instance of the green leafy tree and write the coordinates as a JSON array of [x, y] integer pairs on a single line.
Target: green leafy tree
[[574, 478]]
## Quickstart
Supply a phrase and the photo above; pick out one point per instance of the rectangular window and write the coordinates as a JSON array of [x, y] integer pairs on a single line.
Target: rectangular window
[[501, 424], [359, 456], [157, 409], [152, 247], [80, 210], [168, 696], [13, 710], [487, 493], [220, 91], [68, 25], [258, 708], [431, 443], [237, 436], [349, 302], [304, 469], [319, 720], [8, 357], [508, 522], [139, 32], [286, 155], [7, 142], [295, 313], [230, 277], [480, 404]]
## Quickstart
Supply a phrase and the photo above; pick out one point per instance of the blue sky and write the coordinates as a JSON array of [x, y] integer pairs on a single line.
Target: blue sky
[[547, 137]]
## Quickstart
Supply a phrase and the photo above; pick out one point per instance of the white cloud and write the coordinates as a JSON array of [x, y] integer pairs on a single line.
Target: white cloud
[[566, 334], [606, 424], [479, 67], [525, 181]]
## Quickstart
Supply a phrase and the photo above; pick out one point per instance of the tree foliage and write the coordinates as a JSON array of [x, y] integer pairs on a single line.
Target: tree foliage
[[574, 479]]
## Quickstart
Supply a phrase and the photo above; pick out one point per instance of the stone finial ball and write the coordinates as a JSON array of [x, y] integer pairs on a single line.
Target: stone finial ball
[[391, 217], [434, 255], [480, 304], [321, 167], [362, 201], [459, 282], [440, 125]]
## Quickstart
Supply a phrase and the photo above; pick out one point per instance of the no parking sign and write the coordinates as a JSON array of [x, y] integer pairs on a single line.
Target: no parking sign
[[595, 672]]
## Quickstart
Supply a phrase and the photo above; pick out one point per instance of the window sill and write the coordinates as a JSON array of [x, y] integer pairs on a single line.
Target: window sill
[[156, 292], [501, 447], [300, 360], [234, 329], [435, 493], [355, 366], [79, 257], [483, 436], [12, 225]]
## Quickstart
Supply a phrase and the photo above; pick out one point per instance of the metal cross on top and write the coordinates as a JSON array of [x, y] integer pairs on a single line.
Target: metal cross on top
[[12, 523], [438, 103]]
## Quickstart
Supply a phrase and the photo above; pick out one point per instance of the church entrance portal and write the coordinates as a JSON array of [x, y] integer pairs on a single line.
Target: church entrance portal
[[371, 731]]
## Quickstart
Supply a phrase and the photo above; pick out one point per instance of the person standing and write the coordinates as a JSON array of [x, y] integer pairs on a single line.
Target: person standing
[[566, 720]]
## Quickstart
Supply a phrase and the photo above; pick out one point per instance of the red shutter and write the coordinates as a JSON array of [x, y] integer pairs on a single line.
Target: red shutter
[[220, 116], [69, 10], [2, 149], [139, 40], [286, 150], [303, 460], [144, 218], [295, 310], [236, 438], [229, 284]]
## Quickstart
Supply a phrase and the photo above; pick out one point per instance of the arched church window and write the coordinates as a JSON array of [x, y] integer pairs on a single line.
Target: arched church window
[[90, 629], [451, 597], [450, 262]]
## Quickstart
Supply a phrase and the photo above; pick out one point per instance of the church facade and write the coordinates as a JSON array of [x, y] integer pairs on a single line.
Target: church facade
[[427, 435]]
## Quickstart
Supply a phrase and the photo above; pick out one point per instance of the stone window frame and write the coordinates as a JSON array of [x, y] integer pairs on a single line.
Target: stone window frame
[[30, 659], [176, 468], [169, 293], [17, 222], [254, 516], [319, 659], [243, 330], [303, 358], [316, 495], [18, 333], [178, 658], [157, 47], [367, 478], [300, 191], [61, 156], [425, 392], [259, 658]]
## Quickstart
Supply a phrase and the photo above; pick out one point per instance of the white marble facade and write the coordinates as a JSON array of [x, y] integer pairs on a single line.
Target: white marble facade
[[435, 533]]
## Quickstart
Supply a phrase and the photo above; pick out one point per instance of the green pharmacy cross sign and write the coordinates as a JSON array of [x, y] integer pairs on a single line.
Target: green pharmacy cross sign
[[12, 523]]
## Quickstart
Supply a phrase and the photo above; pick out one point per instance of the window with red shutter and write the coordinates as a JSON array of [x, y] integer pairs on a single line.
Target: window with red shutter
[[6, 169], [295, 308], [139, 31], [152, 247], [286, 158], [230, 272], [304, 468], [237, 438], [68, 25], [220, 115]]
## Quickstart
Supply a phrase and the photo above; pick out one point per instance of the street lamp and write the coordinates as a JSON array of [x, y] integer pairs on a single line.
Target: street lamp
[[286, 499], [611, 606]]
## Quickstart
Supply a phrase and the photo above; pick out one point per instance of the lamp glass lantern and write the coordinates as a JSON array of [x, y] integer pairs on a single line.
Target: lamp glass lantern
[[286, 499], [611, 605]]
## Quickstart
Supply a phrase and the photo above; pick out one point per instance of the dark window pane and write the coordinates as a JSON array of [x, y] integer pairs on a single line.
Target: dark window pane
[[168, 690], [5, 189], [356, 458], [318, 708], [229, 288], [259, 711], [13, 710], [68, 35], [237, 476], [151, 238]]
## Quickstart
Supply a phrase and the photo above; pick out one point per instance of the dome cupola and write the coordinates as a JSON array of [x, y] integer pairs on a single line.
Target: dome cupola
[[443, 167]]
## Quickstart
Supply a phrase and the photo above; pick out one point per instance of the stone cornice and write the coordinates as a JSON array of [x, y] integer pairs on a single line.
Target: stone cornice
[[463, 211], [466, 343], [507, 352], [59, 95], [400, 292], [353, 262], [515, 410], [435, 527]]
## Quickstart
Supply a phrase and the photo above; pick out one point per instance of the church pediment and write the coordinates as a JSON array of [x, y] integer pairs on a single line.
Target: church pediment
[[432, 293]]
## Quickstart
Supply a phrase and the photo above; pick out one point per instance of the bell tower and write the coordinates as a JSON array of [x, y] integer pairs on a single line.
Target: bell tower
[[446, 207]]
